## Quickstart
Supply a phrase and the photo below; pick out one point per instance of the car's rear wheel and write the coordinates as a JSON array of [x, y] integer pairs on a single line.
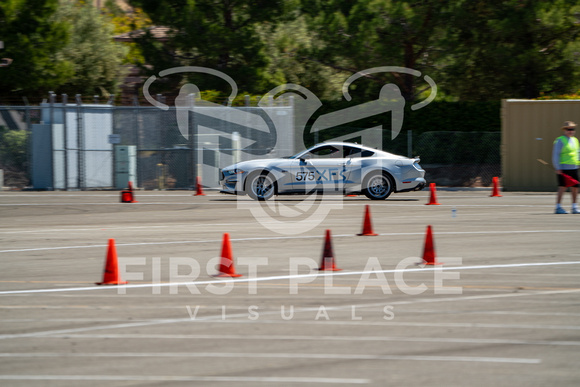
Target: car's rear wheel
[[377, 186], [261, 185]]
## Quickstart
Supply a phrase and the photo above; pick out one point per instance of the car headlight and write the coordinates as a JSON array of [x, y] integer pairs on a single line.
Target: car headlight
[[234, 171]]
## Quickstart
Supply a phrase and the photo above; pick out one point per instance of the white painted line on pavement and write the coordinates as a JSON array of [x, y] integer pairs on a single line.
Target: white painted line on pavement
[[162, 378], [108, 204], [385, 324], [234, 202], [96, 228], [243, 317], [248, 355], [296, 276], [449, 340], [295, 237]]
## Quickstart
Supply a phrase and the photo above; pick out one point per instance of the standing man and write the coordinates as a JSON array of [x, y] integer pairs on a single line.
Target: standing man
[[565, 158]]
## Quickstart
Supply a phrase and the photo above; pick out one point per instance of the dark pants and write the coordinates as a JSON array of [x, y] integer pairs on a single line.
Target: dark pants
[[573, 173]]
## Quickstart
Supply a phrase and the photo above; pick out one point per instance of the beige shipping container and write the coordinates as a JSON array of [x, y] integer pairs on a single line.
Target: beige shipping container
[[528, 131]]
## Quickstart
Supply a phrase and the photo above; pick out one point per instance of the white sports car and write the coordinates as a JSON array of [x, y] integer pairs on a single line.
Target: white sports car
[[330, 167]]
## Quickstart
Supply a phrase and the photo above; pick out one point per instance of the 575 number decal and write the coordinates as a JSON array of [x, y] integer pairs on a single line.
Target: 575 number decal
[[305, 176], [321, 175]]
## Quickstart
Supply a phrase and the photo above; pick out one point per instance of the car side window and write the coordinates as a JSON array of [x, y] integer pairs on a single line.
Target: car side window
[[325, 152], [353, 152], [350, 151]]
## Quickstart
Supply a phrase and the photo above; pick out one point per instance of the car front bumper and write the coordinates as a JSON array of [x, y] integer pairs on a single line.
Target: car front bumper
[[231, 184]]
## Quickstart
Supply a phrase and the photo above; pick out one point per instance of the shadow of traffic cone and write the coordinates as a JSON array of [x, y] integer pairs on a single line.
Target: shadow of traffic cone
[[495, 192], [429, 257], [198, 187], [327, 262], [367, 224], [227, 264], [433, 197], [111, 274]]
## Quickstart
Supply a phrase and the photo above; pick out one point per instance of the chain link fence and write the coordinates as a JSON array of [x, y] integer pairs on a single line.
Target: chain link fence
[[57, 146], [15, 124], [163, 155], [460, 159]]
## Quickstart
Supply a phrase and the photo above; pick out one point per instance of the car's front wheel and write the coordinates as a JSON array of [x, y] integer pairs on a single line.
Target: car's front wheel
[[261, 185], [377, 186]]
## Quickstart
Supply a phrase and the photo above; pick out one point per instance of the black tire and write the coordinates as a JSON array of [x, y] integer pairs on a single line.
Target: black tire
[[377, 186], [261, 185]]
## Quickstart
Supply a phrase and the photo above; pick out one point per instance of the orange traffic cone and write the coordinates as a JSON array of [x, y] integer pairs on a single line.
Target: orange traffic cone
[[495, 191], [127, 195], [111, 274], [433, 198], [227, 264], [198, 187], [367, 224], [429, 257], [327, 262]]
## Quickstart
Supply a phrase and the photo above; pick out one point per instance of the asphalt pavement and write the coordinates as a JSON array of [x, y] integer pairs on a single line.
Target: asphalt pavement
[[499, 308]]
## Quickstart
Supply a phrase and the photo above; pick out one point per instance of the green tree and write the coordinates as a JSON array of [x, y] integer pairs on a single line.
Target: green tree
[[34, 39], [127, 22], [97, 60], [13, 156], [13, 148], [288, 46], [363, 34], [222, 35], [514, 48]]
